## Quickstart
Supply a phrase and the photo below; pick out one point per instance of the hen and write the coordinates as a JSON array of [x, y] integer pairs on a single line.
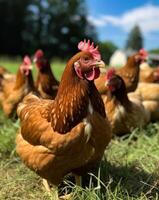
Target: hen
[[46, 83], [124, 114], [15, 88], [149, 74], [70, 133], [3, 71], [129, 73], [149, 93], [153, 108], [3, 75]]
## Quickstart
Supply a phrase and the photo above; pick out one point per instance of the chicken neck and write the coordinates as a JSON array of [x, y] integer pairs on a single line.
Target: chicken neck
[[73, 100]]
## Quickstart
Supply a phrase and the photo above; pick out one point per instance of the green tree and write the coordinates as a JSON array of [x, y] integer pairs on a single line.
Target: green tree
[[56, 26], [154, 51], [107, 48], [11, 21], [135, 39]]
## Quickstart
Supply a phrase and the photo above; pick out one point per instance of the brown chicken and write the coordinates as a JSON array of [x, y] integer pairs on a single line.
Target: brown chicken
[[153, 108], [149, 74], [3, 73], [123, 113], [149, 93], [129, 73], [14, 89], [46, 83], [70, 133]]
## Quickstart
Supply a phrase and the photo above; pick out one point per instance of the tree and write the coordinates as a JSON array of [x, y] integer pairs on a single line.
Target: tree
[[11, 21], [135, 39], [107, 48], [56, 26], [154, 51]]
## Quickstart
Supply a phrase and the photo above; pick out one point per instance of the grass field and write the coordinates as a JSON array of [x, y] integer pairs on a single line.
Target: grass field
[[129, 170]]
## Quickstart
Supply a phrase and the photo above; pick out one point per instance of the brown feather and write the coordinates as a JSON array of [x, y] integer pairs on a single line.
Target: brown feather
[[46, 83]]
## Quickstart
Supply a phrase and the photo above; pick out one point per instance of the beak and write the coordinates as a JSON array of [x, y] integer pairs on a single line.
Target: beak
[[100, 64], [34, 60], [31, 67]]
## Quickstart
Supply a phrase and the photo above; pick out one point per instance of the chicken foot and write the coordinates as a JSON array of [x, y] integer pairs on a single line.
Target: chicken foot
[[78, 180]]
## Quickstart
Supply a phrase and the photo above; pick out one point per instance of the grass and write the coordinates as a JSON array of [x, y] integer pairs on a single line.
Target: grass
[[129, 170], [12, 66]]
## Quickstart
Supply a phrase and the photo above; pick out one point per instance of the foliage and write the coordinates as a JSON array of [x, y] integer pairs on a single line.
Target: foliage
[[155, 51], [53, 25], [135, 39], [107, 48], [11, 21]]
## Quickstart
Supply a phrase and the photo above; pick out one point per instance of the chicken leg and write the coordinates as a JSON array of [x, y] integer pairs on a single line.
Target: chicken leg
[[46, 185], [54, 189], [78, 180]]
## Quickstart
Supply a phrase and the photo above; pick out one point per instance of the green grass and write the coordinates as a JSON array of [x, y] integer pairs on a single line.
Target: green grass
[[13, 65], [129, 170]]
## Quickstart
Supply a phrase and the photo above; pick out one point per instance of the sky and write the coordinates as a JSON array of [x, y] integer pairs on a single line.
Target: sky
[[113, 20]]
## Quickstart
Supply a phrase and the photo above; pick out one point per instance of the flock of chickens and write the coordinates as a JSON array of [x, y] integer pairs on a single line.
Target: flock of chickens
[[65, 127]]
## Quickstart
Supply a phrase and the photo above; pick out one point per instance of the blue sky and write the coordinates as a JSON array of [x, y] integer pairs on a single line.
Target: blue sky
[[114, 19]]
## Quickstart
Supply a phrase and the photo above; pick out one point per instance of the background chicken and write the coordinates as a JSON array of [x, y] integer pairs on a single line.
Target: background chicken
[[123, 113], [70, 133], [129, 73], [4, 74], [16, 87], [46, 83], [153, 108], [149, 74], [3, 71], [149, 93]]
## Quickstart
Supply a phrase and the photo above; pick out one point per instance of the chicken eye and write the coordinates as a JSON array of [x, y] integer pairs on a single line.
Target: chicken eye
[[85, 59]]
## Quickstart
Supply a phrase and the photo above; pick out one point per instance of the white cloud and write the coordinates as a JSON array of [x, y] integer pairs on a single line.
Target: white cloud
[[147, 17]]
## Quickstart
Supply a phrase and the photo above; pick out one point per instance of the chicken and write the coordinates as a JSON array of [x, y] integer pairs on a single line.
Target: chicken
[[153, 108], [3, 73], [129, 73], [149, 93], [70, 133], [124, 114], [149, 74], [46, 83], [14, 89]]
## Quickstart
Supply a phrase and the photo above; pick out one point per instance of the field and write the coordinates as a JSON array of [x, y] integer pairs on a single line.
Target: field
[[129, 170]]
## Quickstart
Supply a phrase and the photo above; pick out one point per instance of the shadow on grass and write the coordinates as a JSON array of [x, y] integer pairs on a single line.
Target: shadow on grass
[[122, 181], [130, 179]]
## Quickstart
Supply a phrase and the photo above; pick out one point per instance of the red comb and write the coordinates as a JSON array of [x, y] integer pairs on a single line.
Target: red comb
[[143, 53], [89, 47], [110, 73], [39, 53], [27, 60]]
